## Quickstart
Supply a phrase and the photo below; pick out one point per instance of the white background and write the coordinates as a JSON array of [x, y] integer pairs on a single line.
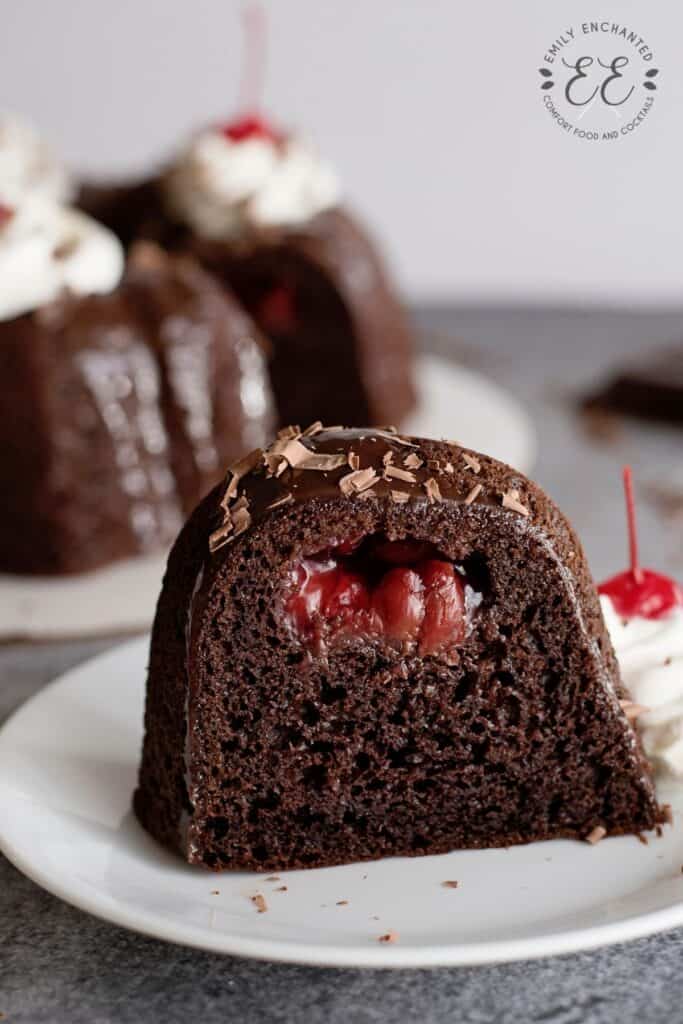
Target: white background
[[431, 111]]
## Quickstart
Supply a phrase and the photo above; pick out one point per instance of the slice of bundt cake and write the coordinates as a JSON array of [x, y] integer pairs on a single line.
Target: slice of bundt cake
[[369, 645], [121, 398]]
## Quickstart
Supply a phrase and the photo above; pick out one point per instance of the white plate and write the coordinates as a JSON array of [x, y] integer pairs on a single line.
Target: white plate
[[454, 402], [68, 761]]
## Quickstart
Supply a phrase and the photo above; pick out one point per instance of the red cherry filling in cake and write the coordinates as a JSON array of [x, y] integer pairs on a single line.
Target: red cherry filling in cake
[[403, 591]]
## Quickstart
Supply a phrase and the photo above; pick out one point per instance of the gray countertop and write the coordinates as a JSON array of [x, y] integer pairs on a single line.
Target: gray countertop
[[59, 965]]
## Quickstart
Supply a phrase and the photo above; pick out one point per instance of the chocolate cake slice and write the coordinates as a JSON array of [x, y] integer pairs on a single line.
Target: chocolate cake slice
[[370, 645]]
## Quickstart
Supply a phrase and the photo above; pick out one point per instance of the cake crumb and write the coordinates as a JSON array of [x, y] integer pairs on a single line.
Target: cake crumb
[[642, 838], [596, 834], [342, 903], [259, 902], [215, 892], [450, 884], [667, 811], [389, 936], [273, 878], [281, 888]]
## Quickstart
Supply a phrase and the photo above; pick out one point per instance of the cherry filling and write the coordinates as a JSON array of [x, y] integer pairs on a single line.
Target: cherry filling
[[276, 310], [403, 591]]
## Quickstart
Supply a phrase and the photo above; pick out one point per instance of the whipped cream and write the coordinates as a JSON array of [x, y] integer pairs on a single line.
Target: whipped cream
[[46, 249], [27, 165], [221, 187], [650, 655]]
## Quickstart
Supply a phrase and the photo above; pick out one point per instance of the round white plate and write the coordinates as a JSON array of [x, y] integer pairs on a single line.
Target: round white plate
[[68, 761], [454, 402]]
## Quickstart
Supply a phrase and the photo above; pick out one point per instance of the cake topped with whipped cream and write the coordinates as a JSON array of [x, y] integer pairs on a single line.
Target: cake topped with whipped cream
[[246, 175], [643, 612], [47, 249], [27, 164]]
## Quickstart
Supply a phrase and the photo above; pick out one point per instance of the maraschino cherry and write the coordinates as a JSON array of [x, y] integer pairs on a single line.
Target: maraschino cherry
[[640, 592], [252, 125]]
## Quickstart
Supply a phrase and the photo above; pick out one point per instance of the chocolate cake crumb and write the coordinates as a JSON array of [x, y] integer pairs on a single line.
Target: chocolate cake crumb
[[273, 878], [281, 888], [450, 884], [474, 494], [471, 462], [342, 903], [259, 902], [389, 936], [215, 892], [511, 501], [596, 834]]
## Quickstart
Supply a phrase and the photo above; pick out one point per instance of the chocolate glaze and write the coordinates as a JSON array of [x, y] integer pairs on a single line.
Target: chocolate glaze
[[117, 413]]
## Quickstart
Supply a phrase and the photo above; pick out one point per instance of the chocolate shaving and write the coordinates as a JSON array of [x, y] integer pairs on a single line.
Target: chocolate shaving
[[450, 884], [324, 463], [296, 453], [511, 500], [667, 811], [281, 888], [400, 497], [220, 537], [387, 458], [474, 494], [287, 433], [259, 902], [353, 460], [448, 468], [396, 473], [342, 903], [390, 936], [358, 481], [314, 429], [632, 710], [596, 834], [285, 500], [432, 490], [412, 461], [471, 462]]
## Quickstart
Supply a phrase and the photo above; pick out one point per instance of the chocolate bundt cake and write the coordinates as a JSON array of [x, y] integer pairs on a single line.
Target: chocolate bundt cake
[[262, 212], [369, 645], [121, 399]]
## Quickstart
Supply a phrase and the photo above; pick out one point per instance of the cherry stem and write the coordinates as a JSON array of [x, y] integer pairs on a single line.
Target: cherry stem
[[254, 59], [632, 527]]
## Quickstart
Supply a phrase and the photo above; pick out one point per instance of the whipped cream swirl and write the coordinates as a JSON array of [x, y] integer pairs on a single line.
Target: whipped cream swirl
[[221, 187], [27, 165], [650, 655], [47, 249]]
